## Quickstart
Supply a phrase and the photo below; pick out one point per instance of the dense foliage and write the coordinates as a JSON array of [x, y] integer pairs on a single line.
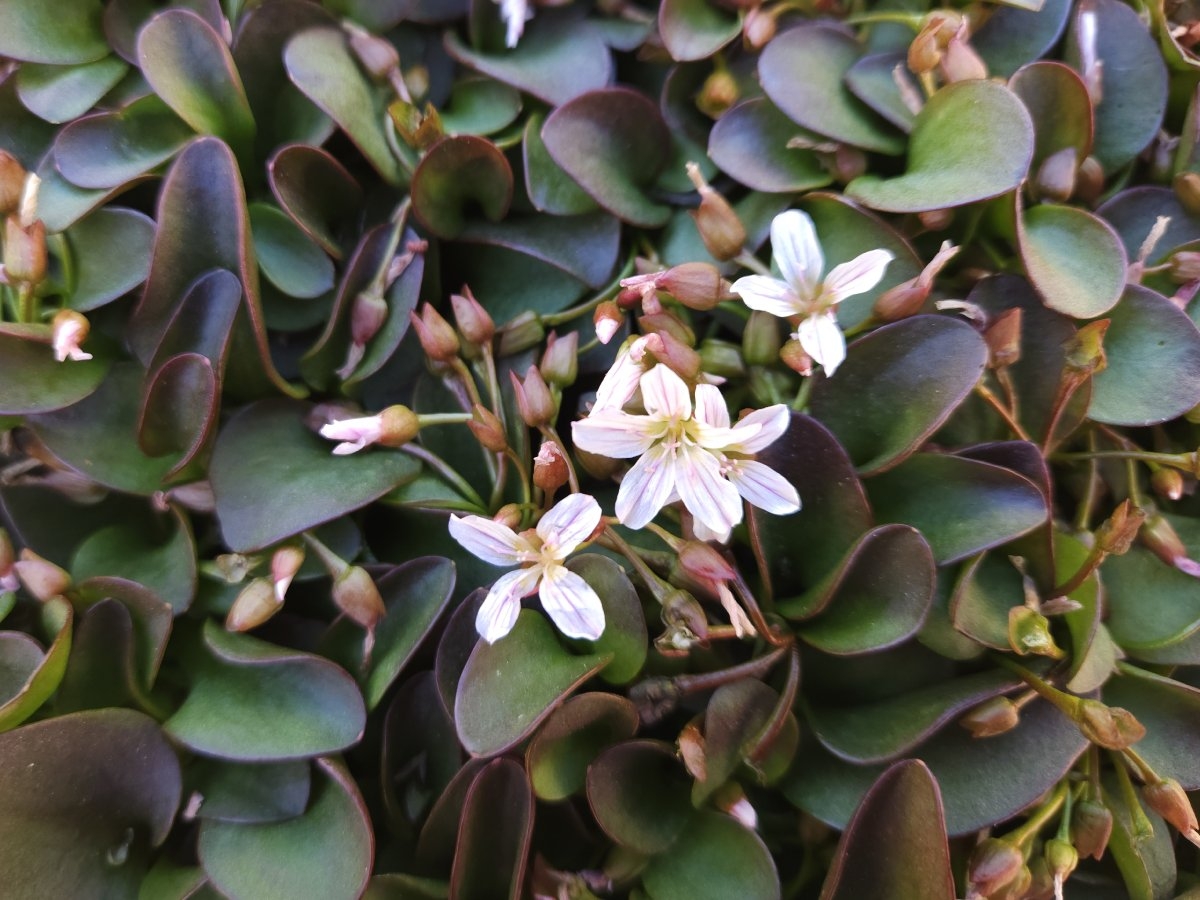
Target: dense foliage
[[456, 448]]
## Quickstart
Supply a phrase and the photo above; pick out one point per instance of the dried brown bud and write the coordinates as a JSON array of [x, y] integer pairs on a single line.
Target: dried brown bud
[[356, 595], [12, 182], [550, 471], [255, 604], [1107, 726], [692, 751], [534, 399], [1117, 533], [1168, 798], [720, 228], [991, 717], [1167, 483], [487, 429], [560, 362], [994, 864], [474, 323], [437, 338], [24, 250], [1003, 338], [42, 578], [925, 52], [1091, 827]]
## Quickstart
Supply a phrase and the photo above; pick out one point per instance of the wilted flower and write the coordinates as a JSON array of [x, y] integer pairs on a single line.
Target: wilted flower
[[801, 292], [567, 598], [67, 332], [395, 426], [689, 452]]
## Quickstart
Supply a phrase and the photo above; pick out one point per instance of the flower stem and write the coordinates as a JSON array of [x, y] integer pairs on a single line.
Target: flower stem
[[994, 402], [444, 469], [574, 312], [753, 263]]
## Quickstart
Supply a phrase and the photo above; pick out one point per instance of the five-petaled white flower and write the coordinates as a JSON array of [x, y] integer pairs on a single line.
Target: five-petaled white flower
[[801, 293], [567, 598], [688, 453]]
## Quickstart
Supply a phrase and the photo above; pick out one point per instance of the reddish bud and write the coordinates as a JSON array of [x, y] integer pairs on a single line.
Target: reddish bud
[[696, 285], [356, 595], [509, 515], [1161, 538], [1091, 827], [437, 338], [1089, 181], [703, 566], [758, 28], [560, 362], [1185, 266], [255, 604], [285, 563], [991, 717], [367, 316], [960, 62], [692, 751], [1187, 189], [994, 864], [599, 467], [720, 228], [936, 219], [42, 578], [1107, 726], [1168, 798], [24, 251], [718, 93], [684, 360], [900, 302], [550, 471], [488, 429], [8, 575], [534, 399], [1167, 483], [1003, 338], [925, 52], [12, 182], [796, 358], [474, 323], [608, 320]]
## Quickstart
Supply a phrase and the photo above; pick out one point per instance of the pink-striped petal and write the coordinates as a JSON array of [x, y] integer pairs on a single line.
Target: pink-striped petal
[[763, 487], [646, 487], [569, 523], [769, 295], [797, 252], [710, 407], [615, 434], [665, 395], [772, 421], [857, 276], [571, 604], [705, 493], [489, 540], [822, 339], [500, 608]]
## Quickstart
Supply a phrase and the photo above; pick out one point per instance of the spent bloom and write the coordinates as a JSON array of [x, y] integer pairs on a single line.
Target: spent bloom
[[802, 295], [689, 452], [567, 598], [394, 427], [67, 333]]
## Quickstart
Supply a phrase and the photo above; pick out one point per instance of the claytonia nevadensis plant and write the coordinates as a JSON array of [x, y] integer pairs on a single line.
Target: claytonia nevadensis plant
[[802, 295], [689, 452], [569, 601]]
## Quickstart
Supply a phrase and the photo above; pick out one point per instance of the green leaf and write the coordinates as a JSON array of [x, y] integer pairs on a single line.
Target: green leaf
[[1012, 37], [58, 33], [1061, 109], [625, 634], [613, 143], [190, 67], [494, 834], [244, 793], [316, 191], [95, 241], [150, 622], [715, 858], [41, 682], [961, 506], [572, 737], [509, 687], [458, 174], [1150, 603], [550, 189], [887, 398], [735, 717], [1074, 259], [276, 861], [420, 750], [252, 701], [973, 140], [749, 143], [895, 844], [33, 381], [480, 106], [695, 29], [873, 80], [61, 93], [584, 247], [165, 564], [1146, 861], [803, 72], [288, 257], [320, 64], [1170, 710], [71, 803], [639, 794], [1153, 371], [265, 450]]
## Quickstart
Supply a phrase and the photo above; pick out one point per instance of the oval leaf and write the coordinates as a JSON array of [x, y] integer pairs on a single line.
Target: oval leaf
[[458, 173], [573, 735], [287, 256], [33, 381], [316, 191], [638, 793], [62, 93], [749, 143], [715, 858], [107, 234], [695, 29], [60, 33], [494, 834], [1074, 259]]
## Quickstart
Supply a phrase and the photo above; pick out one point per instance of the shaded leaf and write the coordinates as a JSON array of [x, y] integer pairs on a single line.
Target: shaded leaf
[[494, 834], [1012, 37], [695, 29], [33, 381], [288, 257], [1170, 710], [715, 857], [459, 174], [638, 792], [572, 736], [246, 793], [316, 191], [749, 143], [61, 93], [95, 241], [40, 682]]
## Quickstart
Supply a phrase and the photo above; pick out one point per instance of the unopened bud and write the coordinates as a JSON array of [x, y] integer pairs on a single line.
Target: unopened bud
[[936, 219], [488, 429], [1168, 798], [846, 163], [758, 28], [960, 62], [474, 323], [991, 717], [666, 322], [509, 515], [1018, 888], [731, 799], [255, 604], [534, 399], [437, 338], [1117, 533], [398, 425], [721, 358], [722, 231], [697, 285], [925, 52], [692, 750], [686, 623], [420, 129], [560, 362], [1085, 349], [1061, 858], [550, 471], [1089, 181], [285, 563], [994, 864], [796, 358], [718, 93], [356, 595], [42, 578], [1161, 538], [599, 467], [1185, 266], [702, 565], [367, 316], [24, 250], [1187, 189], [1107, 726], [1091, 827], [523, 332], [1029, 633], [378, 56], [1056, 175], [900, 302], [1167, 482], [761, 340], [12, 182], [608, 320], [1003, 338], [681, 358]]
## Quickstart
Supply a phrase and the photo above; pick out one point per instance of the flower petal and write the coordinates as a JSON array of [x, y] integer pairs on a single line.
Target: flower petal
[[665, 395], [571, 603], [703, 533], [615, 434], [710, 406], [706, 494], [797, 252], [773, 422], [769, 295], [763, 487], [489, 540], [621, 381], [857, 276], [569, 523], [646, 487], [822, 339], [502, 605]]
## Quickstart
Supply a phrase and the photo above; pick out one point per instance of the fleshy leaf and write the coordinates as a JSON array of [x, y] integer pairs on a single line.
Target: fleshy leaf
[[695, 29], [886, 399], [1170, 710], [896, 841], [749, 143], [715, 857], [255, 702], [973, 140], [59, 33], [420, 753], [584, 246], [494, 712], [1012, 37], [573, 735], [316, 191], [1152, 605], [550, 189], [288, 257], [1074, 259], [873, 80], [638, 792], [245, 793], [107, 234], [625, 631], [164, 563], [33, 381], [275, 861], [41, 682], [735, 716], [480, 106], [458, 173], [1058, 103], [494, 834], [61, 93]]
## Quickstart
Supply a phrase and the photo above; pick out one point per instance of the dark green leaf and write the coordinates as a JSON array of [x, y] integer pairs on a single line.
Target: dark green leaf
[[61, 93], [638, 792], [60, 33], [245, 793], [459, 174], [749, 143], [714, 858], [573, 735], [494, 835]]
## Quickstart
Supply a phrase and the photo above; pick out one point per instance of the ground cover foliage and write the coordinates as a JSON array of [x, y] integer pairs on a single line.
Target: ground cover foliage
[[583, 449]]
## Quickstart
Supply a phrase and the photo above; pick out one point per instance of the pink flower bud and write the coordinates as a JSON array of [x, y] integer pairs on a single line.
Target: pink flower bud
[[285, 563], [720, 228], [488, 429], [42, 578], [437, 338], [608, 319], [255, 604], [550, 470], [534, 399], [474, 322], [560, 362], [356, 595]]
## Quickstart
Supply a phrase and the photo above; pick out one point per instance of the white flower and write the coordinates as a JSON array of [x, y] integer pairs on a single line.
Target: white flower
[[681, 454], [355, 434], [802, 293], [515, 13], [567, 598], [620, 382], [67, 332]]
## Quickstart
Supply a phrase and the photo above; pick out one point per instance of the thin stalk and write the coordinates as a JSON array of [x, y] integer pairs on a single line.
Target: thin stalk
[[444, 469]]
